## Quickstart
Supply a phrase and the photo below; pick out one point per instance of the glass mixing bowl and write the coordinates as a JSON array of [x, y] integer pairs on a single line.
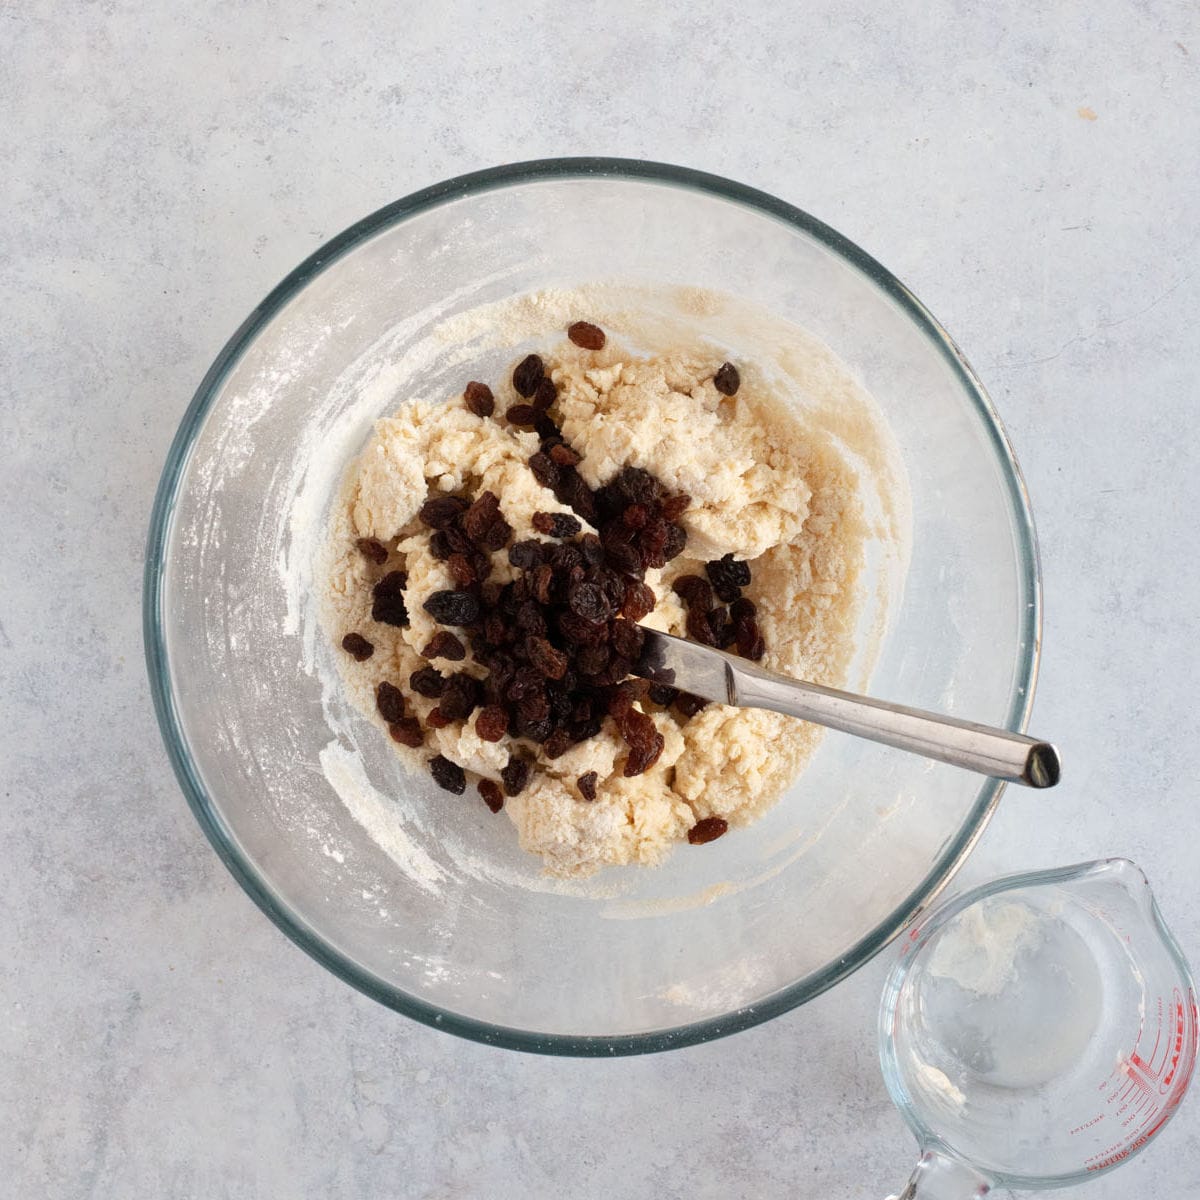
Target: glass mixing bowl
[[635, 960]]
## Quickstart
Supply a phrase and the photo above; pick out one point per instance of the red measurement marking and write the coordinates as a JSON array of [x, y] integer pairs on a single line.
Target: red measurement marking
[[1157, 1032], [1141, 1076], [1177, 1046]]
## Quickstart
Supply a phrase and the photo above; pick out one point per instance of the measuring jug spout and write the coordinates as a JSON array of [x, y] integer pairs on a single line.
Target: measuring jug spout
[[1117, 876], [940, 1176], [1117, 894]]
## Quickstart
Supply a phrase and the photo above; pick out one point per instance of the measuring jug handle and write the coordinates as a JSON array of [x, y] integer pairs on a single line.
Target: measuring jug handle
[[940, 1177]]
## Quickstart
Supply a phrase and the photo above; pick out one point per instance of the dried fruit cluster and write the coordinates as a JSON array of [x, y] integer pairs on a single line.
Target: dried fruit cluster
[[557, 642]]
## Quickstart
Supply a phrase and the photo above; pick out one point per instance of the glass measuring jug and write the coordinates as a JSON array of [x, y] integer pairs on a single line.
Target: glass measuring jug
[[1038, 1030]]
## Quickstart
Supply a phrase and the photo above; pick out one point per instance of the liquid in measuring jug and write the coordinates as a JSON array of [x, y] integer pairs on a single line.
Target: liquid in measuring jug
[[1040, 1029]]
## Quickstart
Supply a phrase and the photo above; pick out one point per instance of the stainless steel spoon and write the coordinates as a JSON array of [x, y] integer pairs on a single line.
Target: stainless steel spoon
[[718, 676]]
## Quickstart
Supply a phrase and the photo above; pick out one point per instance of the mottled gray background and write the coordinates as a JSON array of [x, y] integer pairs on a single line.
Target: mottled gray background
[[1033, 177]]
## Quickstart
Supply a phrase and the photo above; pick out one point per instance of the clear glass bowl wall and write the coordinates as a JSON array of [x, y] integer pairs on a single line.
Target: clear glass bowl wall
[[795, 902]]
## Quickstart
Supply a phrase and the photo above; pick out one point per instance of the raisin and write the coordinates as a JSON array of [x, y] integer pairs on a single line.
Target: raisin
[[453, 608], [573, 491], [637, 601], [591, 660], [580, 631], [388, 605], [527, 681], [543, 580], [662, 694], [462, 570], [428, 682], [688, 705], [392, 584], [370, 549], [521, 414], [532, 709], [586, 784], [440, 512], [557, 744], [444, 644], [407, 732], [526, 554], [439, 545], [479, 399], [515, 775], [545, 395], [546, 429], [528, 374], [586, 335], [637, 486], [695, 591], [727, 593], [642, 757], [591, 549], [612, 583], [389, 699], [564, 455], [727, 380], [543, 656], [559, 525], [707, 830], [545, 469], [493, 797], [723, 629], [460, 697], [728, 577], [495, 630], [699, 629], [565, 557], [561, 704], [491, 724], [673, 507], [390, 610], [530, 618], [750, 642], [581, 731], [357, 646], [616, 670], [539, 730], [447, 774], [478, 518], [497, 535], [652, 541], [437, 719], [627, 639], [645, 742], [620, 703], [676, 541], [742, 609], [625, 557], [587, 600], [636, 516]]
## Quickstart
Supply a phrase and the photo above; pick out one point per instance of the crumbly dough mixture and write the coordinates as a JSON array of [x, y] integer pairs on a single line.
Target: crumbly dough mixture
[[765, 487]]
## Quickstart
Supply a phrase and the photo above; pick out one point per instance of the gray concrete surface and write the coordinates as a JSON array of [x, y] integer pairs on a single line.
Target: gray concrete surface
[[1033, 172]]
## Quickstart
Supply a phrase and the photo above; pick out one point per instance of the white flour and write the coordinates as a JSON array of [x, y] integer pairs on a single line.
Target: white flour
[[781, 359]]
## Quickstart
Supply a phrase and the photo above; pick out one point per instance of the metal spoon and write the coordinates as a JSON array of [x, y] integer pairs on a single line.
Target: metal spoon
[[718, 676]]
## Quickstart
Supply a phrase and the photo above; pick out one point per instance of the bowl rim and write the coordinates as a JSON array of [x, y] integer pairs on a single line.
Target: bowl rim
[[221, 837]]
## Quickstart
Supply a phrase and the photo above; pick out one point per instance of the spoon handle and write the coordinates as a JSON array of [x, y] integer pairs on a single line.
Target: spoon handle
[[990, 751]]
